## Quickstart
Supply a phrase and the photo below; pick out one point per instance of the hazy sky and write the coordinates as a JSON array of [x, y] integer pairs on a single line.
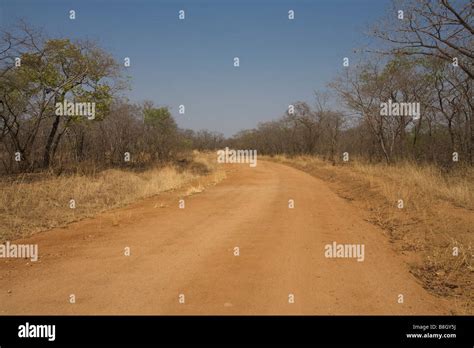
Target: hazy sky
[[190, 61]]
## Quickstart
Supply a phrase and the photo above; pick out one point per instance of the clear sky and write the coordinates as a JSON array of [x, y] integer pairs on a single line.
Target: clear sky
[[190, 61]]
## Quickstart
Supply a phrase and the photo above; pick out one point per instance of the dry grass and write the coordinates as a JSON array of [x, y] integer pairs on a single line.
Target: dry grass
[[421, 185], [437, 216], [28, 207], [209, 161], [415, 184], [195, 189]]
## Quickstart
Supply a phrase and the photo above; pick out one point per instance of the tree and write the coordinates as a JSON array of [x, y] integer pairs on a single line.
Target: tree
[[163, 132], [441, 29], [51, 71]]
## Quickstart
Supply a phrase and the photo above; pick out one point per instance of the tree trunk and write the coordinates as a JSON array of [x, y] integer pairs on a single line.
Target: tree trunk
[[49, 144]]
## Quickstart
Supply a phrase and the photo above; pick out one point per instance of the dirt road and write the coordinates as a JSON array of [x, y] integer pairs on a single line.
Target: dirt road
[[190, 251]]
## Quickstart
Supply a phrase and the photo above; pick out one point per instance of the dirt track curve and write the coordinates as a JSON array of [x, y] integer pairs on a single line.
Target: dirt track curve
[[191, 251]]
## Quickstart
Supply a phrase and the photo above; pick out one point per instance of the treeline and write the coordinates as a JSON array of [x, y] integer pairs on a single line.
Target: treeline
[[425, 56], [303, 130], [93, 127]]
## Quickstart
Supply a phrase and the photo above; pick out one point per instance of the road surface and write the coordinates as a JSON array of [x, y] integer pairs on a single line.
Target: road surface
[[281, 267]]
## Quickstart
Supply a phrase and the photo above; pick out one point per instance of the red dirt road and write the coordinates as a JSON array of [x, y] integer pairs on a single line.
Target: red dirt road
[[191, 251]]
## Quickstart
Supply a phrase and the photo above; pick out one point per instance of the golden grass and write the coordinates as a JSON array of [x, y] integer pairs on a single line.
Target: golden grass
[[195, 189], [421, 184], [416, 184], [28, 207], [209, 161]]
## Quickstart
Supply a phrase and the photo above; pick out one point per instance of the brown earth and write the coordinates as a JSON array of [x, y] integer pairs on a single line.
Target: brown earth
[[190, 251]]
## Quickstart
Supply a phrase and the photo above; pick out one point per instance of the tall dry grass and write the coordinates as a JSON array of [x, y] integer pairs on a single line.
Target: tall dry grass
[[419, 185], [30, 206]]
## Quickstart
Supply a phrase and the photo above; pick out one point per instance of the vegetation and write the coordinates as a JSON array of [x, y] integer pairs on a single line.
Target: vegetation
[[426, 57]]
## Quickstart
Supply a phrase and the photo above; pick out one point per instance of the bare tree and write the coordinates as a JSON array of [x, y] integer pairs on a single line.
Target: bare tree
[[440, 29]]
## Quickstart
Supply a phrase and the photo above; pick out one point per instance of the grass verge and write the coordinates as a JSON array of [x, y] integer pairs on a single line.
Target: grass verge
[[434, 229], [29, 206]]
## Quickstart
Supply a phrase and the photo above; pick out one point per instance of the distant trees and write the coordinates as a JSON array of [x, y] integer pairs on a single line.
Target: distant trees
[[443, 126], [205, 140], [303, 130], [364, 89], [442, 33], [161, 133], [424, 56]]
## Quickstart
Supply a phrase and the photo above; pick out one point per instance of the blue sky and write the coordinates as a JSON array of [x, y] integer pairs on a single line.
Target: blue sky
[[190, 62]]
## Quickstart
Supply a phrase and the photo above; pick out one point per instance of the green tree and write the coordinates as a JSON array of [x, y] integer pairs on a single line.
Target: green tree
[[51, 71], [162, 132]]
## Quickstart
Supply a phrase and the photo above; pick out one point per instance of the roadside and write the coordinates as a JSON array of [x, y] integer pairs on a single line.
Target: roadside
[[38, 202], [433, 231]]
